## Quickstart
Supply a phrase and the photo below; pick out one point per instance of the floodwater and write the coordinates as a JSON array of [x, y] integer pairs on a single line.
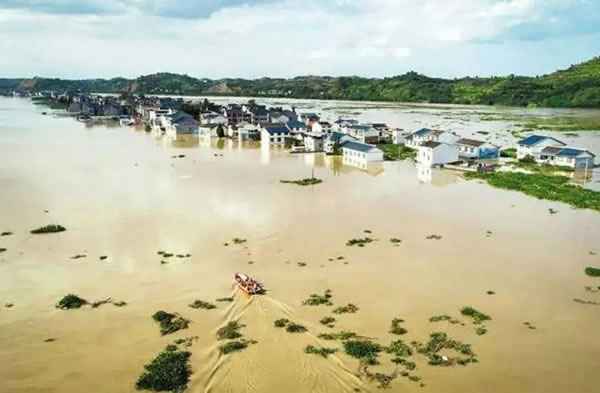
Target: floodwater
[[119, 193]]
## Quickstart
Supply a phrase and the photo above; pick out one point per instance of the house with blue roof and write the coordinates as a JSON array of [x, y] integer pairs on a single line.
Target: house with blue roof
[[360, 155], [365, 133], [274, 133], [335, 141], [534, 144], [296, 126], [423, 135], [181, 123], [548, 150]]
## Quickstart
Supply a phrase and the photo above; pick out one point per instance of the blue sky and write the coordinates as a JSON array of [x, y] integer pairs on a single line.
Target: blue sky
[[283, 38]]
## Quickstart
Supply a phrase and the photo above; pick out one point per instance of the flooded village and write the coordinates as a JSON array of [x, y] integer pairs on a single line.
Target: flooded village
[[394, 246]]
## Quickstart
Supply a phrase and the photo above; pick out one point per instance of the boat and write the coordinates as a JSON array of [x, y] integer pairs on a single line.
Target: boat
[[247, 284]]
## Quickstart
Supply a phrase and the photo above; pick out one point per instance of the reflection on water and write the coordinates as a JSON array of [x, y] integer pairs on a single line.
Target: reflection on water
[[436, 177], [120, 194]]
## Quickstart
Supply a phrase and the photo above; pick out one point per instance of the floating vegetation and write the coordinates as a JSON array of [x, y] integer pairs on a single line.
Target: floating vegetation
[[290, 327], [529, 326], [71, 301], [592, 271], [328, 321], [347, 309], [554, 188], [383, 380], [170, 323], [303, 182], [399, 349], [49, 340], [234, 346], [317, 300], [434, 237], [444, 317], [586, 302], [186, 342], [491, 292], [439, 341], [8, 305], [78, 256], [367, 231], [237, 240], [49, 229], [103, 257], [365, 350], [202, 304], [552, 211], [6, 233], [301, 264], [480, 331], [395, 241], [224, 299], [169, 371], [2, 250], [99, 303], [321, 351], [396, 328], [359, 242], [343, 335], [477, 316], [229, 331], [119, 303]]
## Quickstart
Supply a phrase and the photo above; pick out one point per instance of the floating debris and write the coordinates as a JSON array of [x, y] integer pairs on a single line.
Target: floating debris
[[552, 211], [348, 308], [202, 304], [281, 322], [169, 371], [491, 292], [328, 321], [79, 256], [6, 233], [395, 241], [444, 317], [593, 290], [367, 231], [49, 340], [301, 264], [434, 237], [290, 327], [480, 331], [237, 240], [477, 316], [170, 322], [321, 351], [53, 228], [224, 299], [303, 182], [2, 250], [9, 305], [103, 257], [234, 346], [317, 300], [71, 301]]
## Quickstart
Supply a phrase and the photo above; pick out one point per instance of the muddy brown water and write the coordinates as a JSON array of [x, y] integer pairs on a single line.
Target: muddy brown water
[[120, 194]]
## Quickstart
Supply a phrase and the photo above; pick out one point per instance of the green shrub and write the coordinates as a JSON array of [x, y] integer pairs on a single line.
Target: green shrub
[[233, 346], [396, 328], [202, 304], [281, 322], [592, 271], [317, 300], [362, 349], [229, 331], [348, 308], [322, 351], [295, 328], [343, 335], [327, 321], [477, 316]]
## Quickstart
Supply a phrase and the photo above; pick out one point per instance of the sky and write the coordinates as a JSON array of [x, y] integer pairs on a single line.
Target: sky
[[285, 38]]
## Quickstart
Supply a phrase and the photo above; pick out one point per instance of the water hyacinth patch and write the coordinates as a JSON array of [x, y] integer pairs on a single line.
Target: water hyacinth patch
[[348, 308], [475, 315], [202, 304], [169, 371], [327, 321], [71, 301], [224, 299], [343, 335], [321, 351], [229, 331], [234, 346], [359, 242], [169, 322], [52, 228], [592, 271], [317, 300], [396, 328]]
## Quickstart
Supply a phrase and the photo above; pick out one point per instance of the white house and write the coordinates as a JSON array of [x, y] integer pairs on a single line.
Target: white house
[[212, 118], [471, 148], [209, 130], [313, 142], [340, 124], [418, 137], [180, 123], [295, 126], [274, 134], [436, 153], [321, 127], [360, 154], [534, 144], [567, 156], [307, 117], [365, 133], [336, 139]]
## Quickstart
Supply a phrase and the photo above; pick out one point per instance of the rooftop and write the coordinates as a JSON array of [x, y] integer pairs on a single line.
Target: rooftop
[[470, 142], [357, 146], [431, 144], [533, 140]]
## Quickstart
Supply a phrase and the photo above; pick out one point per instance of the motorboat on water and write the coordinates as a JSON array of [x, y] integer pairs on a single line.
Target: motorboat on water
[[248, 284]]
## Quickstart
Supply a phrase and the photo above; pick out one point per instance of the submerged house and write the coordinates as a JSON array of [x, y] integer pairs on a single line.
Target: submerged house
[[423, 135], [567, 156], [181, 123], [472, 148], [437, 153], [274, 134], [364, 133], [534, 144], [336, 140], [360, 154]]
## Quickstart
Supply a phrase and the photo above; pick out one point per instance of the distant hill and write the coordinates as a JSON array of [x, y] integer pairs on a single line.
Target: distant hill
[[577, 86]]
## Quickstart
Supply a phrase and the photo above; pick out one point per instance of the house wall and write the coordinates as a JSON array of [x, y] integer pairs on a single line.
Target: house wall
[[274, 139], [442, 154], [536, 150]]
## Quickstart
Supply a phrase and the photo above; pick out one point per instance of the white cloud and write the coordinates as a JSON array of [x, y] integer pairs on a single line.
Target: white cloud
[[274, 37]]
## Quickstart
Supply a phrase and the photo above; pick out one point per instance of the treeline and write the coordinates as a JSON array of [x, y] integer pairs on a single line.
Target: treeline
[[578, 86]]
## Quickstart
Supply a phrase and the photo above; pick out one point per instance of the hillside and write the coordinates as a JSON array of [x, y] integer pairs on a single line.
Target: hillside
[[577, 86]]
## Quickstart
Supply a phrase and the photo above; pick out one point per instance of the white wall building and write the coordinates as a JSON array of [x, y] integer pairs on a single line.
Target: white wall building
[[534, 144], [437, 153], [360, 154], [274, 134]]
